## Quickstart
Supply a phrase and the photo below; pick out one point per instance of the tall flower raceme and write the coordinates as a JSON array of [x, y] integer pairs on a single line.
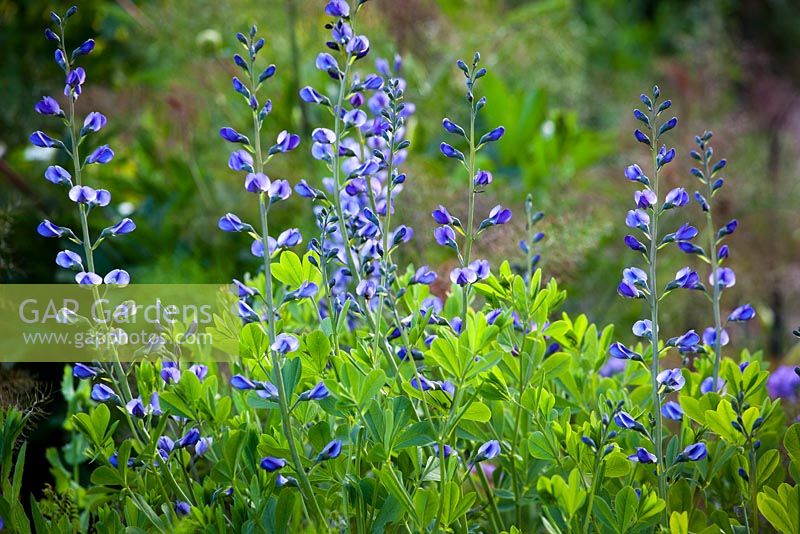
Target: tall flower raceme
[[714, 252], [646, 218], [255, 306], [363, 156], [87, 199], [532, 238], [469, 271]]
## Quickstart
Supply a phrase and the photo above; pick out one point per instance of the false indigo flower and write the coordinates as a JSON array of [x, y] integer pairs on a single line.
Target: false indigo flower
[[451, 152], [257, 182], [231, 223], [642, 455], [240, 160], [624, 420], [671, 379], [48, 106], [203, 445], [693, 453], [447, 450], [707, 386], [58, 175], [492, 136], [286, 142], [102, 154], [330, 451], [634, 244], [645, 199], [498, 215], [725, 277], [676, 198], [69, 260], [94, 122], [482, 179], [784, 383], [200, 371], [463, 276], [242, 382], [271, 464], [688, 342], [742, 313], [424, 276], [190, 438], [318, 392], [117, 277], [487, 451], [643, 328], [638, 219], [232, 136], [125, 226], [442, 216], [182, 508], [82, 371], [285, 343], [102, 393], [621, 352], [710, 337], [672, 410], [135, 407], [42, 140], [88, 278], [445, 236], [310, 95]]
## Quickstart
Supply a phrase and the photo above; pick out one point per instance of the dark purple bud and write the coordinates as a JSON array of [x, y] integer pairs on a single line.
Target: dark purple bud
[[61, 61], [182, 508], [330, 451], [634, 244], [125, 226], [445, 148], [667, 126], [641, 117], [232, 136], [318, 392], [453, 128], [672, 410], [492, 136], [271, 464], [83, 372], [190, 438], [51, 36], [83, 49], [742, 313], [482, 179], [268, 73], [42, 140], [231, 223], [102, 154], [728, 229], [641, 137], [643, 456]]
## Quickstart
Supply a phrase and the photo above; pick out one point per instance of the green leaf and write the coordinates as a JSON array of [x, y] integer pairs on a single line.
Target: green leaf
[[792, 443], [539, 447], [625, 505], [477, 411], [679, 523], [776, 514], [289, 269], [318, 347], [767, 465]]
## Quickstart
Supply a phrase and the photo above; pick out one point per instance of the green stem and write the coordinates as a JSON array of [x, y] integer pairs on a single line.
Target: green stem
[[653, 300], [471, 213]]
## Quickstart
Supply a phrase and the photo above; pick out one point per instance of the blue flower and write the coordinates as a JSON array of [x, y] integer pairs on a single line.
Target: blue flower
[[330, 451], [688, 342], [634, 244], [482, 179], [487, 451], [310, 95], [125, 226], [286, 141], [135, 407], [625, 420], [337, 8], [423, 384], [102, 393], [285, 343], [463, 276], [182, 508], [83, 49], [447, 449], [58, 175], [94, 122], [42, 140], [69, 260], [102, 154], [635, 174], [672, 410], [643, 328], [445, 236], [710, 337], [742, 313], [671, 379], [318, 392], [242, 382], [117, 277], [271, 464], [621, 352], [232, 136], [707, 386], [498, 215], [203, 445], [82, 371], [725, 277], [424, 276], [48, 106], [451, 152], [643, 456], [88, 279], [231, 223], [240, 160], [638, 219], [676, 198], [693, 453], [190, 438]]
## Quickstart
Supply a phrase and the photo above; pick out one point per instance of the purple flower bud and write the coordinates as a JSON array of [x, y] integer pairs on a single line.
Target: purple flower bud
[[742, 313], [688, 342], [635, 174], [628, 291], [88, 279], [271, 464], [447, 450], [232, 136], [318, 392], [672, 410], [165, 445], [442, 216], [102, 393], [231, 223], [289, 238], [285, 343], [58, 175], [102, 154], [82, 371], [686, 278], [42, 140], [306, 191], [423, 384], [48, 229], [326, 63], [366, 289], [451, 152], [61, 61], [182, 508], [492, 136], [75, 79], [665, 156], [667, 126], [125, 226], [482, 179], [641, 137], [728, 229], [671, 379], [453, 128], [199, 370], [634, 244], [83, 49], [48, 106], [51, 36], [701, 200], [190, 438], [643, 456], [117, 277], [94, 122], [330, 451], [242, 382], [498, 215], [257, 182], [240, 160], [685, 233], [621, 352], [625, 420]]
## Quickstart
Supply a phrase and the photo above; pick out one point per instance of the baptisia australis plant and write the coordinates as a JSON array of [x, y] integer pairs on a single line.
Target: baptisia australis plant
[[255, 306], [87, 199], [651, 207]]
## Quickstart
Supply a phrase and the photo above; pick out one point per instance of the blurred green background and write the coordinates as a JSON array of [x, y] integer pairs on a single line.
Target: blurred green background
[[564, 76]]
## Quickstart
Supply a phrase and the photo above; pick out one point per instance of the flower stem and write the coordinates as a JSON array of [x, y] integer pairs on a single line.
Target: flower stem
[[712, 250], [470, 237]]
